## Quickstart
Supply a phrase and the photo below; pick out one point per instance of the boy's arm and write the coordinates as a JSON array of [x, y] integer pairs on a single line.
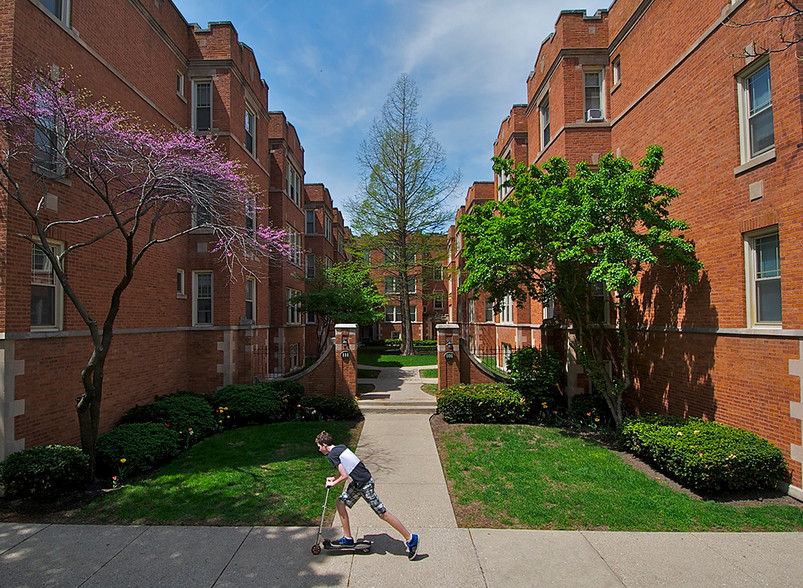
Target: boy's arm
[[334, 481]]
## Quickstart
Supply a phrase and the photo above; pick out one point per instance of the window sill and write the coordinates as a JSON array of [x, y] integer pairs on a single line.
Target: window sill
[[58, 177], [755, 162], [181, 296]]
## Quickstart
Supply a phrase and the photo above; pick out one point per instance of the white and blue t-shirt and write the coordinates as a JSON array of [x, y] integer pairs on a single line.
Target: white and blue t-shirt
[[340, 454]]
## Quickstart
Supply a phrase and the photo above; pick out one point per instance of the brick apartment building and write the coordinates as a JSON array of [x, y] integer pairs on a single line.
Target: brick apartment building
[[185, 322], [669, 73]]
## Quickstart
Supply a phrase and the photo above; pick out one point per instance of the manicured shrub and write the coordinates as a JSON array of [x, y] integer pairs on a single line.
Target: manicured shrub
[[143, 446], [589, 409], [321, 408], [186, 413], [482, 403], [534, 374], [269, 402], [705, 455], [45, 471]]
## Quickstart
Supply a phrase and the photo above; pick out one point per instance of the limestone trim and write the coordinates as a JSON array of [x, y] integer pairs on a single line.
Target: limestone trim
[[796, 412], [10, 407]]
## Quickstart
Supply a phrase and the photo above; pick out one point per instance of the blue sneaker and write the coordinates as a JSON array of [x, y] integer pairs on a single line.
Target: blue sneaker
[[412, 547], [344, 542]]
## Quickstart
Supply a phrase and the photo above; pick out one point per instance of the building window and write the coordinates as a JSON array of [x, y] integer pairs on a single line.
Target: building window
[[507, 353], [592, 89], [293, 308], [310, 222], [250, 131], [763, 261], [202, 298], [472, 311], [755, 110], [294, 240], [437, 272], [599, 310], [327, 227], [46, 292], [294, 357], [48, 144], [548, 309], [250, 215], [393, 285], [438, 301], [310, 264], [616, 68], [250, 299], [393, 314], [180, 84], [59, 8], [507, 310], [340, 242], [201, 214], [293, 185], [202, 106], [489, 311], [180, 283], [543, 112]]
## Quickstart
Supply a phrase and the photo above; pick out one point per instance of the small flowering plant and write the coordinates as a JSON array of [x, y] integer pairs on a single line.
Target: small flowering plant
[[122, 472]]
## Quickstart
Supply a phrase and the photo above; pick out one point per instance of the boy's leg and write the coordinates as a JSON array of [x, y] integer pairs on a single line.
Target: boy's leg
[[394, 522], [343, 511], [372, 499]]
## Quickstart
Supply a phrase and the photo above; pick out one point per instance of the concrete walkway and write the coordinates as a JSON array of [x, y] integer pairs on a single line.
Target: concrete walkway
[[399, 449]]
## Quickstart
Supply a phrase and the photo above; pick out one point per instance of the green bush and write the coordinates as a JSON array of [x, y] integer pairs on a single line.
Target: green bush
[[269, 402], [589, 409], [186, 413], [534, 373], [705, 455], [45, 471], [321, 408], [482, 403], [143, 446]]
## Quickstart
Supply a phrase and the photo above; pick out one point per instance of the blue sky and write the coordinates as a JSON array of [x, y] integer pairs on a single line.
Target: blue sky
[[330, 64]]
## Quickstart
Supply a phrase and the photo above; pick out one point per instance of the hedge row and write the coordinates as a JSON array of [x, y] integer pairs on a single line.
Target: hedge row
[[482, 403], [705, 455]]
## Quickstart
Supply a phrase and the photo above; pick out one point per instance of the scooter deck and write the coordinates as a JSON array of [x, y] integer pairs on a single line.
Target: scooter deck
[[360, 545]]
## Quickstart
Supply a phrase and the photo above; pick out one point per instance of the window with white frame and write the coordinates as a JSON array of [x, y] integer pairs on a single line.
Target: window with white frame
[[293, 184], [438, 299], [250, 131], [180, 84], [202, 298], [543, 115], [295, 356], [489, 310], [507, 353], [250, 215], [592, 95], [437, 272], [616, 71], [548, 309], [340, 245], [47, 299], [506, 315], [757, 135], [309, 225], [293, 308], [394, 285], [393, 314], [180, 292], [599, 310], [59, 8], [327, 262], [250, 299], [327, 227], [294, 240], [201, 214], [471, 310], [202, 105], [763, 270], [310, 265], [48, 144]]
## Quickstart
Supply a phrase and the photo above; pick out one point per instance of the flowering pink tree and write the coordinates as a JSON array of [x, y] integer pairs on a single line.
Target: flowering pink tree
[[143, 187]]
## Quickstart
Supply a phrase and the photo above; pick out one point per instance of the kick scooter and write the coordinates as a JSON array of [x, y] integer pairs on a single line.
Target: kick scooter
[[360, 545]]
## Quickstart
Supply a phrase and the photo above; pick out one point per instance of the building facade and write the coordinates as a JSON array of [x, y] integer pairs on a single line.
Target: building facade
[[690, 77], [186, 322]]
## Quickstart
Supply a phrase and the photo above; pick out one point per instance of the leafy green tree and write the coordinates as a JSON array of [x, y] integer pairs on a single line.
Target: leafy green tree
[[344, 293], [570, 239], [401, 206]]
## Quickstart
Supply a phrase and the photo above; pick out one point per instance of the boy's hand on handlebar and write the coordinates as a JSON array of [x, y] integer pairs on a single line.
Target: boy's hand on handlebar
[[330, 481]]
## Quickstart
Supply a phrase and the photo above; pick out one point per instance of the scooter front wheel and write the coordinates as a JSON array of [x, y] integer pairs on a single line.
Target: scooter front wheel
[[316, 549]]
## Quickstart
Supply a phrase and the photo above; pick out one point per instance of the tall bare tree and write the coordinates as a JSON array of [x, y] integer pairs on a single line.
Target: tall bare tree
[[402, 202], [787, 14]]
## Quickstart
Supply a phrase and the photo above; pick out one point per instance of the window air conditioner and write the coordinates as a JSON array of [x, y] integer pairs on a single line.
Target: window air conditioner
[[594, 114]]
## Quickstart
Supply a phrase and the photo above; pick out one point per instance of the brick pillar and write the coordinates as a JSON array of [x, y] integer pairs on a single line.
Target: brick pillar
[[345, 367], [448, 355]]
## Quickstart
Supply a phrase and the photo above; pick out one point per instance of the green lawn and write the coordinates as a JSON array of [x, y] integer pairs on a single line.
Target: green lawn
[[388, 358], [429, 373], [264, 475], [519, 476]]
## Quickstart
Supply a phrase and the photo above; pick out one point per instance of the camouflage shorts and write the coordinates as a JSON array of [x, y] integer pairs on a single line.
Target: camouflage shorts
[[352, 494]]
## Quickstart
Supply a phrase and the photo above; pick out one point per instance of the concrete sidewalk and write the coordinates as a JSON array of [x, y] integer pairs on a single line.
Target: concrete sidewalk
[[399, 450]]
